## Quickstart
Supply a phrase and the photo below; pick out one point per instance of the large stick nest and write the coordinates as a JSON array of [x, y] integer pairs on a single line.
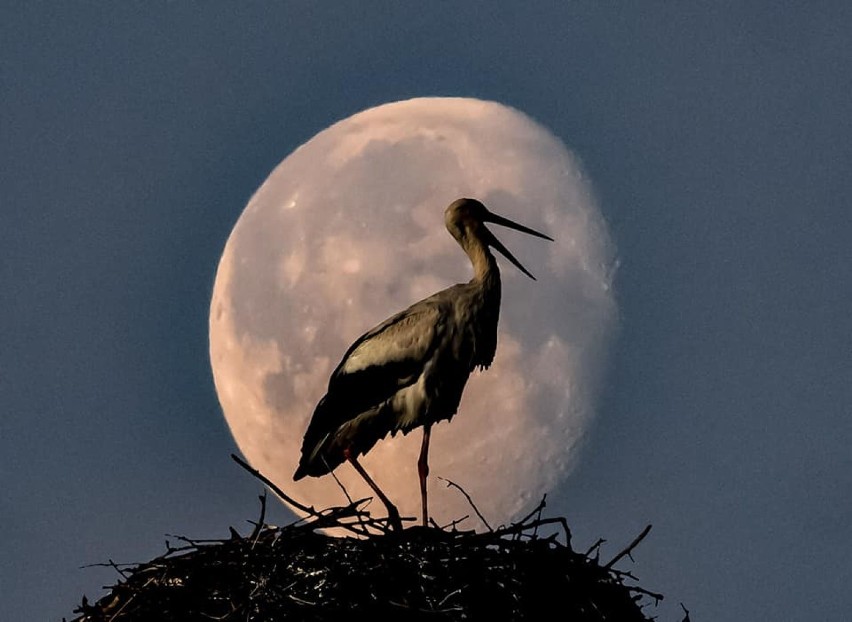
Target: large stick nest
[[296, 572]]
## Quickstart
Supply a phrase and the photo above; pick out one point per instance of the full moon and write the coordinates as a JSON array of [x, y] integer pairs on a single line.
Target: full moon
[[349, 230]]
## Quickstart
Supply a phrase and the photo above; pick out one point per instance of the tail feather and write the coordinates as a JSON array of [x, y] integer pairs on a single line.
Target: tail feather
[[300, 472], [314, 460], [329, 435]]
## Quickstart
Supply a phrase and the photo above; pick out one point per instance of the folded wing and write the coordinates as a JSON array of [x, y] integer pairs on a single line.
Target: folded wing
[[357, 409]]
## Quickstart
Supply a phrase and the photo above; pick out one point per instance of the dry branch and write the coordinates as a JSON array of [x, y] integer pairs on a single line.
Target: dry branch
[[629, 547], [295, 572]]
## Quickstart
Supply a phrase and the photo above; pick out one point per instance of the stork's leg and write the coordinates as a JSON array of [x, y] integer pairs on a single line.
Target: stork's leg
[[393, 513], [423, 470]]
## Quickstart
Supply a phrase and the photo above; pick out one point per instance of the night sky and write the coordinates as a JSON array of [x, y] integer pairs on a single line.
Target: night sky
[[719, 142]]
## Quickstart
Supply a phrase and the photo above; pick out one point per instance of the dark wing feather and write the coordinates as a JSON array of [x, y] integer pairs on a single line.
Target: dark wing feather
[[381, 362]]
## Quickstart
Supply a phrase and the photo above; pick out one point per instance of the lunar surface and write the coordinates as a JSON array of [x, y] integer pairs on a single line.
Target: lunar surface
[[349, 230]]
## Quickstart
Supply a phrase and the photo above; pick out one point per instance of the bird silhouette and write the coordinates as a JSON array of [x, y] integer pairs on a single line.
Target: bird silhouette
[[411, 369]]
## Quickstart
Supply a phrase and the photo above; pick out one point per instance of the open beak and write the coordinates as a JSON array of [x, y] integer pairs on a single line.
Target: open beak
[[505, 222]]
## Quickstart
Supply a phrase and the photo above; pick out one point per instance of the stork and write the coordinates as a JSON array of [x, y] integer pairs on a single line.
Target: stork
[[411, 369]]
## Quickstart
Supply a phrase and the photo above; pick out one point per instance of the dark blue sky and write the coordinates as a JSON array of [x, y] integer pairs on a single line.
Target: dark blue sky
[[719, 140]]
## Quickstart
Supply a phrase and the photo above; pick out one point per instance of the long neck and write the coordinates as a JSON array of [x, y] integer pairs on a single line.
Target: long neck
[[484, 301], [484, 265], [486, 282]]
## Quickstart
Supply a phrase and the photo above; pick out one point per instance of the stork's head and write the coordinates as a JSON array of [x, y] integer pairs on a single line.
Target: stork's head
[[465, 220]]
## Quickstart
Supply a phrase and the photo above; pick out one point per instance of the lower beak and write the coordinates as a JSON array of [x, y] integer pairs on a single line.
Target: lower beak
[[505, 222]]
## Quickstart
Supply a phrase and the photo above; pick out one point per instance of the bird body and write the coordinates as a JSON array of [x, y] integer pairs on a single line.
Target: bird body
[[411, 369]]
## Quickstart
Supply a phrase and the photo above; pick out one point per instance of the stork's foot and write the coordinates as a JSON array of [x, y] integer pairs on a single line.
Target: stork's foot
[[394, 519], [393, 514]]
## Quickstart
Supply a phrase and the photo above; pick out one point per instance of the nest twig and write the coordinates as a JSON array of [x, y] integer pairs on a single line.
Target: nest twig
[[295, 572]]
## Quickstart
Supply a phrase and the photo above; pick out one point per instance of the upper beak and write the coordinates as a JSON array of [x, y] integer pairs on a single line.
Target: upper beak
[[505, 222]]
